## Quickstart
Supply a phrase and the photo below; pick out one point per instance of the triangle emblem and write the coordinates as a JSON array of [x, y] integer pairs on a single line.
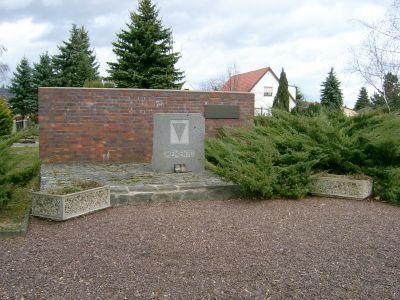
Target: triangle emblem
[[179, 129]]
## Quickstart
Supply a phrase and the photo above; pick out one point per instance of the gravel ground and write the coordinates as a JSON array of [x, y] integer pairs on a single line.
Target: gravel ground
[[311, 249]]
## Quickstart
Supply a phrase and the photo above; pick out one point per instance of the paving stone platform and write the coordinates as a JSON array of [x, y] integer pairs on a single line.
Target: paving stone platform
[[132, 183]]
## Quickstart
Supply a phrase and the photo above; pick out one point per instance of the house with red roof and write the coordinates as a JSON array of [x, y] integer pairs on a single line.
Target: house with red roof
[[263, 83]]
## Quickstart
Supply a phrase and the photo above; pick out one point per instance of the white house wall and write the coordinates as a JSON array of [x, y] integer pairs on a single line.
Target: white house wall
[[292, 91], [265, 102]]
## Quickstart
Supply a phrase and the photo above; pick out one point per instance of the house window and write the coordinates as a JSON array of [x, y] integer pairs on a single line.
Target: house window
[[268, 91]]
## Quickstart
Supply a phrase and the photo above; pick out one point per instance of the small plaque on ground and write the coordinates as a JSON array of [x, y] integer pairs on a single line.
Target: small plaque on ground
[[178, 138]]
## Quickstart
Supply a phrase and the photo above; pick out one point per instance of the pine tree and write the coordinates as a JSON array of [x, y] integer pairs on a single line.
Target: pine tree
[[145, 58], [43, 74], [299, 95], [76, 62], [363, 100], [391, 87], [24, 101], [331, 93], [378, 101], [282, 96], [300, 103], [389, 98]]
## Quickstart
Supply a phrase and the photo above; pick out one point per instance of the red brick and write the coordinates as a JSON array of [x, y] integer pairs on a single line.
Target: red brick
[[78, 124]]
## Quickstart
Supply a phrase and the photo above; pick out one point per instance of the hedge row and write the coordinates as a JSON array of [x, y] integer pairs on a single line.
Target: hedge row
[[10, 176], [281, 153]]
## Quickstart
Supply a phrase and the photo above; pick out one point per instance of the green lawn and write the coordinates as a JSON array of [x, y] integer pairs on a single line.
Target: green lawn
[[12, 214]]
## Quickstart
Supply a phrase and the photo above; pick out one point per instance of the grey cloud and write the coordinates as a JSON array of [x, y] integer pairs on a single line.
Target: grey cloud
[[226, 27]]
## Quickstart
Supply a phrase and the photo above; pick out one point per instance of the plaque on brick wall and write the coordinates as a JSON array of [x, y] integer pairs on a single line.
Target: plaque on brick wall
[[178, 139], [221, 111]]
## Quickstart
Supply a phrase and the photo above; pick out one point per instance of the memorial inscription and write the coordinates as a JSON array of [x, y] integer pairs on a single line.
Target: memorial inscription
[[178, 139]]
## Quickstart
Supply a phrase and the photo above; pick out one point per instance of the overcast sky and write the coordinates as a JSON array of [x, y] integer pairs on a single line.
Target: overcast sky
[[306, 37]]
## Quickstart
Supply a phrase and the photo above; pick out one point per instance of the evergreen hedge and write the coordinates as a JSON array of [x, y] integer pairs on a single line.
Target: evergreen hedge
[[10, 176], [281, 153], [6, 118]]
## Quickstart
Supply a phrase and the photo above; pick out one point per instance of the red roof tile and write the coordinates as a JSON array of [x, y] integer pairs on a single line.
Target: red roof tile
[[246, 81]]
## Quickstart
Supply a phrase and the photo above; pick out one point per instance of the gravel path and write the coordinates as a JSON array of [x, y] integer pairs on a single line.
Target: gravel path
[[310, 249]]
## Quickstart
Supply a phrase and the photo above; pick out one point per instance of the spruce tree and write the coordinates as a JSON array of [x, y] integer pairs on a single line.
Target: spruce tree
[[24, 100], [43, 74], [76, 62], [378, 101], [331, 93], [363, 100], [391, 87], [299, 95], [389, 98], [300, 103], [145, 58], [282, 96]]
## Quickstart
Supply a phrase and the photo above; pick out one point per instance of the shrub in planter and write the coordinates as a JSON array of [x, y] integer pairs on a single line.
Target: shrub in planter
[[342, 186], [68, 202]]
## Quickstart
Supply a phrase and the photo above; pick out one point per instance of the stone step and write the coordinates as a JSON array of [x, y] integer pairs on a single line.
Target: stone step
[[124, 195]]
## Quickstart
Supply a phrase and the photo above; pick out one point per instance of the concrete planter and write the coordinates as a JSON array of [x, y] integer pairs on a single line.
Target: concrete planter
[[64, 207], [341, 186]]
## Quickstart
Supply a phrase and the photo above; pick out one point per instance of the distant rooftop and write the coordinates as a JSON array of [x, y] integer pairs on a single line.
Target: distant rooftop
[[244, 82]]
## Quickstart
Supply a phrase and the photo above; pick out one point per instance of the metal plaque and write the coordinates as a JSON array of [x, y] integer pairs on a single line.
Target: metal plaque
[[221, 111]]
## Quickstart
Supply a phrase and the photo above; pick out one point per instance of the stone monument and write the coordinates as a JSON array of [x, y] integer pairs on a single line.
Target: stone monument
[[178, 142]]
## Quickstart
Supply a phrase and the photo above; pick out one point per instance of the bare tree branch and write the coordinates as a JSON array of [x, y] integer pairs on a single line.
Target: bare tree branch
[[228, 80], [379, 54], [3, 67]]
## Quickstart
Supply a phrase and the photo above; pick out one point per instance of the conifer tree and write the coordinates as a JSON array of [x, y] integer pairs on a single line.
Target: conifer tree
[[363, 100], [299, 95], [378, 101], [43, 74], [76, 62], [6, 118], [389, 98], [331, 93], [145, 57], [391, 88], [282, 97], [300, 103], [24, 101]]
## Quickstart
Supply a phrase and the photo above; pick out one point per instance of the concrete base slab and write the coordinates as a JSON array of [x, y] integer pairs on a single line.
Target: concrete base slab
[[132, 183], [124, 195]]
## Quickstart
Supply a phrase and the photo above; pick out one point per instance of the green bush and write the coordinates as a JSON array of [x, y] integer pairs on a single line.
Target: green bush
[[13, 174], [281, 153], [6, 118], [5, 196]]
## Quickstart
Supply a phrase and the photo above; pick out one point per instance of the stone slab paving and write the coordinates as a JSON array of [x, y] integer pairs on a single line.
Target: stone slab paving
[[119, 174], [132, 183], [22, 145]]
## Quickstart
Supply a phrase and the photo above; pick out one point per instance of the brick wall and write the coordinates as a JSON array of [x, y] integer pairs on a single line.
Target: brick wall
[[79, 124]]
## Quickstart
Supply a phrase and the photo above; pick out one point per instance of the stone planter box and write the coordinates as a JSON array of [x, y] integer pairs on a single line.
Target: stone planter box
[[341, 186], [64, 207]]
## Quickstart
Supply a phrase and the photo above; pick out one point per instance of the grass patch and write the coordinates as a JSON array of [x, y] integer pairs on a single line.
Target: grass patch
[[20, 177], [77, 186], [12, 215]]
